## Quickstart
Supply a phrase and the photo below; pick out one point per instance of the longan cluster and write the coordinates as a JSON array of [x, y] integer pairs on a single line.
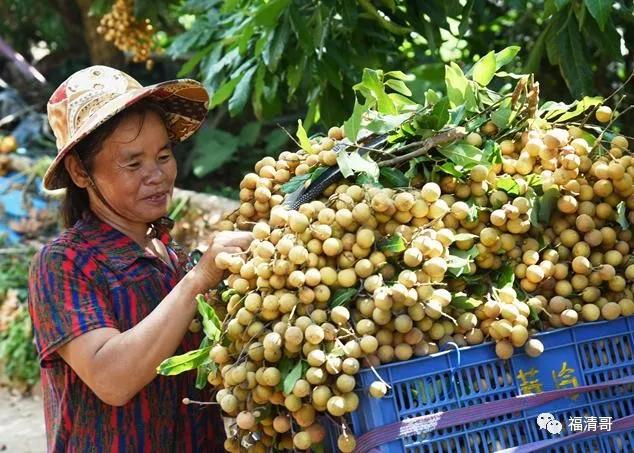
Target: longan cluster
[[128, 33], [260, 191], [299, 261], [365, 276]]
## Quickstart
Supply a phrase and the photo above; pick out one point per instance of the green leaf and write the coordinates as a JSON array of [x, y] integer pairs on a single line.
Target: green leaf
[[317, 172], [212, 148], [300, 27], [190, 64], [465, 302], [505, 276], [621, 216], [464, 154], [534, 180], [399, 86], [484, 69], [543, 206], [450, 169], [364, 179], [561, 3], [298, 181], [184, 362], [302, 136], [400, 76], [508, 185], [202, 373], [204, 368], [351, 163], [342, 296], [393, 244], [273, 52], [492, 152], [225, 90], [573, 62], [457, 115], [241, 92], [249, 133], [580, 107], [441, 113], [294, 183], [502, 117], [386, 123], [472, 214], [285, 365], [456, 83], [459, 261], [505, 56], [431, 97], [211, 323], [600, 10], [294, 375], [547, 202], [275, 140], [393, 177], [372, 87], [352, 126], [268, 14]]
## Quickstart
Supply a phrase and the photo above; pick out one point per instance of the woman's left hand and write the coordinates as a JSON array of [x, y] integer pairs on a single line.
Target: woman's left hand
[[224, 241]]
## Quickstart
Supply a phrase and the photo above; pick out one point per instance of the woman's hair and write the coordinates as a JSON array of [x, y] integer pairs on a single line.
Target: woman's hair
[[76, 202]]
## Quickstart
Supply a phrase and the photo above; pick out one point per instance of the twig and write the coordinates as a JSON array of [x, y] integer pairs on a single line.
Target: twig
[[426, 145], [594, 109], [389, 25], [607, 127], [289, 135]]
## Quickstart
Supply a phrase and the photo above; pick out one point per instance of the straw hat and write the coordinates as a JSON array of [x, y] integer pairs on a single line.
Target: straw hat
[[91, 96]]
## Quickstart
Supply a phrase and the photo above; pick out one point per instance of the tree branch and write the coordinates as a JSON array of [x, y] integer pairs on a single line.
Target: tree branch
[[437, 140], [385, 23]]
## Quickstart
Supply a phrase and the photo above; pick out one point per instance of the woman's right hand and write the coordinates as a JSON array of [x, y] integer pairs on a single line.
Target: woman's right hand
[[223, 241]]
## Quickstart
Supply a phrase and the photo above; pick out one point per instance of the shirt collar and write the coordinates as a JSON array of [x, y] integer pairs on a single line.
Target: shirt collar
[[115, 246]]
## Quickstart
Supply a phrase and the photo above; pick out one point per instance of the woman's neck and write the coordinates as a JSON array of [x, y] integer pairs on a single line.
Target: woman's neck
[[137, 231]]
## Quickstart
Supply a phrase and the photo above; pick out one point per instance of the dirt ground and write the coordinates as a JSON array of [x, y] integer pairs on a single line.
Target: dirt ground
[[21, 424]]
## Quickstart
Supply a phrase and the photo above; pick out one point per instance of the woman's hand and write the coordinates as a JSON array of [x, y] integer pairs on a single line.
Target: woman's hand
[[223, 241]]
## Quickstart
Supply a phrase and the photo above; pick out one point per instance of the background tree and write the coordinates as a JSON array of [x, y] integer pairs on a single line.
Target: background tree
[[268, 62]]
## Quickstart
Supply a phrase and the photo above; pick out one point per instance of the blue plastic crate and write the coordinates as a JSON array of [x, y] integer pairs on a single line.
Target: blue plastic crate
[[582, 355]]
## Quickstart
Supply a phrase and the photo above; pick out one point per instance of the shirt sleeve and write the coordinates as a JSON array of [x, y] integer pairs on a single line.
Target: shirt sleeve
[[67, 298]]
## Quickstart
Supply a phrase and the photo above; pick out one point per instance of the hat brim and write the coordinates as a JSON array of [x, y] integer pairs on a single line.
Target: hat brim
[[184, 101]]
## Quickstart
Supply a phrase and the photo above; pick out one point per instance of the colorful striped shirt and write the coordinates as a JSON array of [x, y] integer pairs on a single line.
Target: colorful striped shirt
[[93, 276]]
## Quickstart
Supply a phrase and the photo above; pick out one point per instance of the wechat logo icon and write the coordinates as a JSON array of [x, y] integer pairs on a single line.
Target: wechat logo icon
[[547, 421]]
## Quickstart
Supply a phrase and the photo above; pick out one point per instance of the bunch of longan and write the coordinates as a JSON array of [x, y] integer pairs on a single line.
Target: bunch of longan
[[128, 33], [366, 275]]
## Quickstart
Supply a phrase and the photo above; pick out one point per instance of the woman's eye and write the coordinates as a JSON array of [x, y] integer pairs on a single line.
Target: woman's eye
[[165, 157], [134, 165]]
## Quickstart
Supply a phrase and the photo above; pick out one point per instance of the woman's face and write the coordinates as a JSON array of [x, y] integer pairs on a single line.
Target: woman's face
[[135, 169]]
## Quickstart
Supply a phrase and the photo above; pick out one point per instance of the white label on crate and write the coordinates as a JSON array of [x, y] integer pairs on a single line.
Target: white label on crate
[[547, 421]]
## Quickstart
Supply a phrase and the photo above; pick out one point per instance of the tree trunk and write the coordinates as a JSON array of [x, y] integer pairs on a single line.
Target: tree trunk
[[100, 50]]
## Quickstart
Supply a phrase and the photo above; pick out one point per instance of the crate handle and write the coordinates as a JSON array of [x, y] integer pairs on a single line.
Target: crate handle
[[460, 416], [620, 424]]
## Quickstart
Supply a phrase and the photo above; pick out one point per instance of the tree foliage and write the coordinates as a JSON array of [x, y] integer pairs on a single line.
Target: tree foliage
[[305, 56]]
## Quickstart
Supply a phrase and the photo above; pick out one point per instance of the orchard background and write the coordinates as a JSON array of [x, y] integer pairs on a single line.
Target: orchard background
[[268, 63]]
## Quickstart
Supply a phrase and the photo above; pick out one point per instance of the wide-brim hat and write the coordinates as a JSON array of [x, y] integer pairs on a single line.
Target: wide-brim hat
[[92, 96]]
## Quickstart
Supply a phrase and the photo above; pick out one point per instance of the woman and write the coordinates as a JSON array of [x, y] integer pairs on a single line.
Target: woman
[[109, 297]]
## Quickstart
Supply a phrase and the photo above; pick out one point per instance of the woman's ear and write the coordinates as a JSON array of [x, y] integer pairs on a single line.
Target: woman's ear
[[76, 171]]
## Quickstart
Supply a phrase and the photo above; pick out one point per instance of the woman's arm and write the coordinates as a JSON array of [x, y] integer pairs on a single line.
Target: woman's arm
[[117, 365]]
